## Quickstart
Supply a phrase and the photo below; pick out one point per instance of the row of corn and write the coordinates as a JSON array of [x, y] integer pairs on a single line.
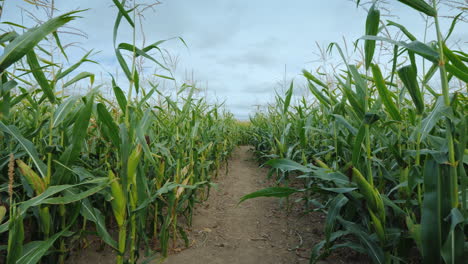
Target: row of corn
[[383, 153], [128, 169]]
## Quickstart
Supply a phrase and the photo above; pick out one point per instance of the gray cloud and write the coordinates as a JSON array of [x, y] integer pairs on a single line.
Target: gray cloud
[[238, 49]]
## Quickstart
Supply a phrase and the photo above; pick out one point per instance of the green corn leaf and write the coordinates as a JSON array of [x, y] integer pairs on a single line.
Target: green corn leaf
[[417, 47], [340, 119], [315, 254], [40, 76], [15, 237], [431, 120], [357, 145], [24, 43], [391, 204], [431, 214], [311, 77], [18, 99], [120, 6], [373, 250], [164, 77], [123, 64], [360, 83], [403, 29], [453, 248], [452, 26], [120, 96], [430, 73], [93, 214], [37, 249], [80, 76], [136, 80], [287, 165], [139, 52], [52, 190], [270, 192], [460, 74], [372, 28], [154, 45], [318, 94], [27, 146], [143, 100], [63, 110], [71, 197], [141, 131], [287, 101], [59, 44], [409, 78], [352, 98], [62, 74], [385, 93], [421, 6], [8, 36], [7, 86], [415, 231], [112, 128], [334, 210], [80, 128]]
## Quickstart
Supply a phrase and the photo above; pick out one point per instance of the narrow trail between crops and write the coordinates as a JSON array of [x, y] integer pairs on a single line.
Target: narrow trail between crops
[[256, 231]]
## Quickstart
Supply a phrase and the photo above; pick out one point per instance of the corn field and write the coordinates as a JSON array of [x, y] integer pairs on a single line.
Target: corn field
[[380, 149], [127, 169], [382, 153]]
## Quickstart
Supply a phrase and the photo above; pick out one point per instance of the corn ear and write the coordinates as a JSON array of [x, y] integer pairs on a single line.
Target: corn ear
[[181, 189], [133, 161], [44, 214], [162, 168], [2, 213], [378, 226], [118, 202], [31, 177], [322, 164], [366, 189]]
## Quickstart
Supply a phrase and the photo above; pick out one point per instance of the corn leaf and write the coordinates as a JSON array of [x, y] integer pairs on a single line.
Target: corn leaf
[[421, 6], [80, 76], [409, 79], [431, 214], [40, 76], [385, 93], [278, 192], [27, 146], [24, 43], [372, 28]]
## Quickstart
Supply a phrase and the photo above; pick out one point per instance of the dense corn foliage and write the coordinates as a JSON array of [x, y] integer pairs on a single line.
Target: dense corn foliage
[[125, 168], [383, 154]]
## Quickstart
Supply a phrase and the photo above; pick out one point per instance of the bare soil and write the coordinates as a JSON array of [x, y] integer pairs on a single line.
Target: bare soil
[[258, 231]]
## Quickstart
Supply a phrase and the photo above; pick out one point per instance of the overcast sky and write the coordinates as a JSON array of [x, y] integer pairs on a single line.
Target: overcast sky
[[237, 50]]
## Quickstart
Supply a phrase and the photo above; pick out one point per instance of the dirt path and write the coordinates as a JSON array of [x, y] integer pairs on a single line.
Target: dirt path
[[256, 231]]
